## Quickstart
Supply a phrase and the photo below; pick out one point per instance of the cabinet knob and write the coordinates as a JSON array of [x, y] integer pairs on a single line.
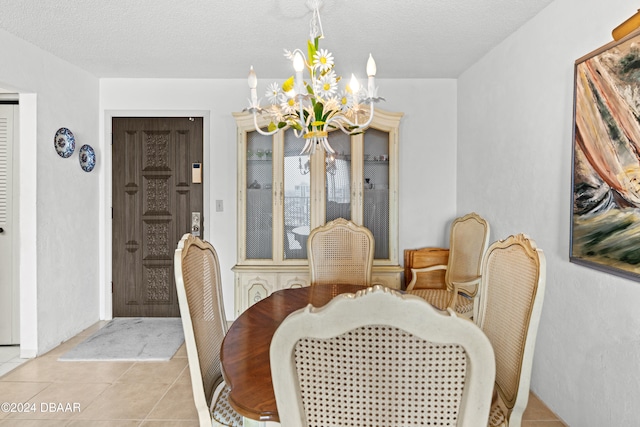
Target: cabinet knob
[[1, 230]]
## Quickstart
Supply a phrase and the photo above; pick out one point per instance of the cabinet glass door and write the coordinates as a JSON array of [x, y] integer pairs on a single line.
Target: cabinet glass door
[[259, 216], [296, 198], [338, 178], [376, 189]]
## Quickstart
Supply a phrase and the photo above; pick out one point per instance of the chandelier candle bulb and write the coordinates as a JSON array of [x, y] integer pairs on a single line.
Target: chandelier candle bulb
[[371, 72], [253, 83], [354, 85], [371, 66]]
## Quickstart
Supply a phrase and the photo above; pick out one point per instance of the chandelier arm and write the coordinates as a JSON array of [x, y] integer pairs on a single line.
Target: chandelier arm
[[328, 148], [338, 120], [299, 133], [314, 81], [368, 122], [307, 147], [260, 131], [340, 126], [301, 116]]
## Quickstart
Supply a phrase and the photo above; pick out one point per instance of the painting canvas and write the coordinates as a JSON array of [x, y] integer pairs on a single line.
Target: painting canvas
[[605, 230]]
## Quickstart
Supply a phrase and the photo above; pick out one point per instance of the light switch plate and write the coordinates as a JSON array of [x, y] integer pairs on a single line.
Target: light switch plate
[[219, 206]]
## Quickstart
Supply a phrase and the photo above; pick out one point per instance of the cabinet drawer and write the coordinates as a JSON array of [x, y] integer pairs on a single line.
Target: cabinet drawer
[[390, 280], [293, 280], [251, 287]]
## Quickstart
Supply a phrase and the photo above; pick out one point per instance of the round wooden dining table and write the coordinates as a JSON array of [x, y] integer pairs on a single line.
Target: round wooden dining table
[[245, 349]]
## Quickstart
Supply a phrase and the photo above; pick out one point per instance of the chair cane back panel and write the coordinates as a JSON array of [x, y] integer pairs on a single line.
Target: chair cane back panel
[[340, 252], [199, 290], [380, 358], [510, 305], [373, 388], [468, 243]]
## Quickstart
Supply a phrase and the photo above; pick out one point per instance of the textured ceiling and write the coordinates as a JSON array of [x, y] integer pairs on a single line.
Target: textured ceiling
[[215, 39]]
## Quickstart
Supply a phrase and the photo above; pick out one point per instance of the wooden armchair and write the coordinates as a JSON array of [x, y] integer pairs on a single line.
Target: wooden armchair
[[468, 243]]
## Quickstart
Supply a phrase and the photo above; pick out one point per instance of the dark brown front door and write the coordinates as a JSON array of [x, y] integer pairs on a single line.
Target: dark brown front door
[[153, 201]]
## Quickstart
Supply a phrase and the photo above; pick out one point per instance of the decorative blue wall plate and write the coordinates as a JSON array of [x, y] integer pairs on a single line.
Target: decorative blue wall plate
[[65, 142], [87, 158]]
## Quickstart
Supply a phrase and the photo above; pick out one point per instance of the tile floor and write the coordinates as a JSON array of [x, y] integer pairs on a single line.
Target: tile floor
[[123, 394], [10, 358]]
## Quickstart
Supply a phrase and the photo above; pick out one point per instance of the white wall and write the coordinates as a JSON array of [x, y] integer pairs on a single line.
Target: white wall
[[58, 201], [514, 165], [427, 158], [427, 153]]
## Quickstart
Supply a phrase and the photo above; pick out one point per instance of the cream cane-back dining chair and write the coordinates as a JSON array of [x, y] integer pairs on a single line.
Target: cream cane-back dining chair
[[197, 274], [380, 358], [468, 242], [510, 303], [340, 252]]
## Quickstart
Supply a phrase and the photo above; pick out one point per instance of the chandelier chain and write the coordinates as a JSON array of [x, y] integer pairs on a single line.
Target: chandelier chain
[[316, 24]]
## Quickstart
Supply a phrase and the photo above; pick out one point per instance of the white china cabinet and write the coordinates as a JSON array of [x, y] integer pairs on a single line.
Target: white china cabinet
[[282, 195]]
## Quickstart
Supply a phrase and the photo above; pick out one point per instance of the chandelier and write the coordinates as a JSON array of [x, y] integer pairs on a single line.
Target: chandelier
[[315, 106]]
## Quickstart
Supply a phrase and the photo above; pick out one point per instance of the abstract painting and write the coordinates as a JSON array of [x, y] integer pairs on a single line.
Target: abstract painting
[[605, 232]]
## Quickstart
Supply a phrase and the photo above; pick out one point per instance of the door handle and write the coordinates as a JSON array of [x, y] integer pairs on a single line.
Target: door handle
[[195, 224]]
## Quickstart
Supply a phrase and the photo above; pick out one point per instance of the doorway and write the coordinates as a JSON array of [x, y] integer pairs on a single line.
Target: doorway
[[9, 287], [157, 196]]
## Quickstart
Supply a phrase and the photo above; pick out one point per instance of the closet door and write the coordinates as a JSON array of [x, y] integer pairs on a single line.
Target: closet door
[[9, 330]]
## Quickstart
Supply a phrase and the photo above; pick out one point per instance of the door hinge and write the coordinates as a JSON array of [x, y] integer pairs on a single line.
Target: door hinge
[[111, 287], [111, 212]]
